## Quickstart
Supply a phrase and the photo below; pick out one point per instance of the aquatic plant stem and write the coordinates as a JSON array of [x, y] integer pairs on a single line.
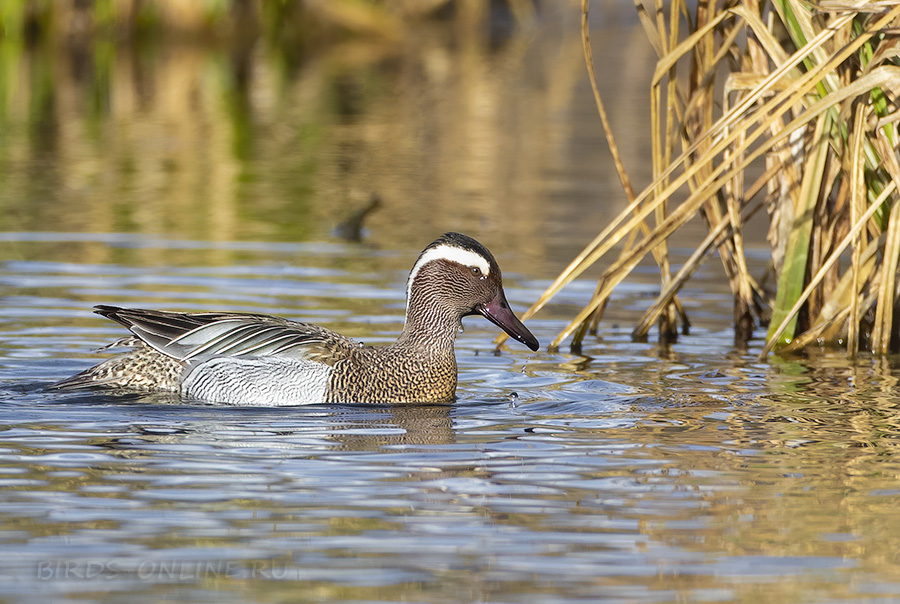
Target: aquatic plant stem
[[832, 258]]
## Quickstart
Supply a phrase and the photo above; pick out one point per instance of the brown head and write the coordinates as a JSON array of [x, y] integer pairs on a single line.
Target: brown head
[[455, 276]]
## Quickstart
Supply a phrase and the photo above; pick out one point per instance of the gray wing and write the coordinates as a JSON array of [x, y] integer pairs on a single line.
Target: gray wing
[[196, 337]]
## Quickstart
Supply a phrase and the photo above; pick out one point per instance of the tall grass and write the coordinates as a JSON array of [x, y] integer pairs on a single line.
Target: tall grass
[[787, 106]]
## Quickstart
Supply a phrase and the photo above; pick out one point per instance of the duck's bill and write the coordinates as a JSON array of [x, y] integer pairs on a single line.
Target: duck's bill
[[500, 314]]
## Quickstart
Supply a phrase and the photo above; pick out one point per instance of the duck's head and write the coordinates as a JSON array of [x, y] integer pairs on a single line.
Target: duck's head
[[455, 275]]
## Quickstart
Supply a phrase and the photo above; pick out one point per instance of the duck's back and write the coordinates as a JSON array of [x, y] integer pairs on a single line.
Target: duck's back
[[245, 359], [231, 358]]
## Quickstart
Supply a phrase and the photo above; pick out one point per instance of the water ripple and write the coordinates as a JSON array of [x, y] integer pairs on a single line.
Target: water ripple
[[624, 473]]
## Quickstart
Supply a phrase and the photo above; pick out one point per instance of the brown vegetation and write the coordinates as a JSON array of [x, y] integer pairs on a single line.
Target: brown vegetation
[[785, 105]]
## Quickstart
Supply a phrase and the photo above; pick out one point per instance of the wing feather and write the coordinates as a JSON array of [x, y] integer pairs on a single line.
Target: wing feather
[[200, 336]]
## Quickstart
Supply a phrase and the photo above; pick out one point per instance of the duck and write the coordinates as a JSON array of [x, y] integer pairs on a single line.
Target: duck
[[254, 359]]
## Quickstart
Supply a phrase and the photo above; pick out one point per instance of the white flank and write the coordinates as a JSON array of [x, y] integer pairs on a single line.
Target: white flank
[[451, 253], [269, 381]]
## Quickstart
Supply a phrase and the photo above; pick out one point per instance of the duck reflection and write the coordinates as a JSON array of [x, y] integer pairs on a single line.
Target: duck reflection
[[315, 429]]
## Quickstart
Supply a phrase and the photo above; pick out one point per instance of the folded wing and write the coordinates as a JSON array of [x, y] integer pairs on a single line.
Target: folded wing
[[197, 337]]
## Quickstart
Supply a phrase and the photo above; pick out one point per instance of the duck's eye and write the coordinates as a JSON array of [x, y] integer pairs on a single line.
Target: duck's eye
[[476, 271]]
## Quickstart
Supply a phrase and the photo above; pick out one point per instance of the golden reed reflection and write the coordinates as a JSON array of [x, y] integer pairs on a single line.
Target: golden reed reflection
[[809, 468], [464, 119], [748, 464]]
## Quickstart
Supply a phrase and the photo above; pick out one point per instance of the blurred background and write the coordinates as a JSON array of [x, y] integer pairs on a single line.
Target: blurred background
[[278, 120]]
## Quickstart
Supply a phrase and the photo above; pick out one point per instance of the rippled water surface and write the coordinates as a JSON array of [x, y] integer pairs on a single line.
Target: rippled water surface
[[630, 474]]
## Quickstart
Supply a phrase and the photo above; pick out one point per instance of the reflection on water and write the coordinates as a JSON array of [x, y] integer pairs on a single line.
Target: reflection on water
[[454, 127], [632, 474]]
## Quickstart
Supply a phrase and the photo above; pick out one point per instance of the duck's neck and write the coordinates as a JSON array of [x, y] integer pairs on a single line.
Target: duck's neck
[[429, 328]]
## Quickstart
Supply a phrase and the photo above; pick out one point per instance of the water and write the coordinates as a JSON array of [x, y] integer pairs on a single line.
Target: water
[[631, 475], [628, 473]]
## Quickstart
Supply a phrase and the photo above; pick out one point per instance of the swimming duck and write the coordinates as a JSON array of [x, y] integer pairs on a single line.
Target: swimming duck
[[250, 359]]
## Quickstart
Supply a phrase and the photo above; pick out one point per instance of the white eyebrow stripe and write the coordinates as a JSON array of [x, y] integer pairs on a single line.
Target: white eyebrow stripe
[[451, 253]]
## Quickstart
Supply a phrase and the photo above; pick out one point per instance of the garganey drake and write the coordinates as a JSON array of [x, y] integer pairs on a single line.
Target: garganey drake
[[249, 359]]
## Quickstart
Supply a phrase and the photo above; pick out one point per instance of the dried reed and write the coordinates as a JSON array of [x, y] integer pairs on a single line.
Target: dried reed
[[808, 98]]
